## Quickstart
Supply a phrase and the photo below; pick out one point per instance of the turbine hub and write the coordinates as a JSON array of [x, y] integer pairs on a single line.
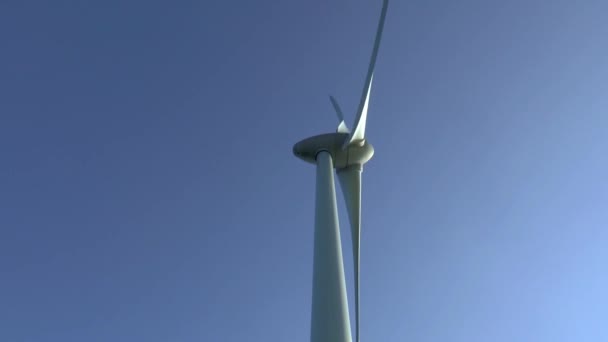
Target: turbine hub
[[353, 154]]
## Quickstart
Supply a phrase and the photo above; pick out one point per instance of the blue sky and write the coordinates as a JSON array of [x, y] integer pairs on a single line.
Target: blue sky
[[148, 191]]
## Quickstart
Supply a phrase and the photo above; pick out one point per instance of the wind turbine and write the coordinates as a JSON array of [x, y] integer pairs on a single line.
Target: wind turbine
[[346, 151]]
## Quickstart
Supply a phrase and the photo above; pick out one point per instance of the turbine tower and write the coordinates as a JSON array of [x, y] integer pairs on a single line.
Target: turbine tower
[[346, 151]]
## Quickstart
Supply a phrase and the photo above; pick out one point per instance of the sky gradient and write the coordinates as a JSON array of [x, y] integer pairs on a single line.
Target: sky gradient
[[148, 191]]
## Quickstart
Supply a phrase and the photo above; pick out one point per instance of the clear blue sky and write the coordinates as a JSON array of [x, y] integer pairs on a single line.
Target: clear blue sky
[[148, 191]]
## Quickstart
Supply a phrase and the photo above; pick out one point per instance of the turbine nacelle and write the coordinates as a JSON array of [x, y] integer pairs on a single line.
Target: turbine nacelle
[[353, 154]]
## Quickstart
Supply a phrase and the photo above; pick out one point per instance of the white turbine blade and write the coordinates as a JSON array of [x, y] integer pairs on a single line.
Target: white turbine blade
[[350, 182], [337, 108], [329, 321], [358, 133], [342, 128]]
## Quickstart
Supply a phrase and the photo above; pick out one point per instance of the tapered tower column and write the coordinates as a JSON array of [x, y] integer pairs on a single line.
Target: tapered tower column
[[330, 321]]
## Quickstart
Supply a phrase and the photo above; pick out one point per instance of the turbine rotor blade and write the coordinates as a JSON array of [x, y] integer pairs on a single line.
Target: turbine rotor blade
[[337, 108], [342, 128], [350, 182], [358, 133]]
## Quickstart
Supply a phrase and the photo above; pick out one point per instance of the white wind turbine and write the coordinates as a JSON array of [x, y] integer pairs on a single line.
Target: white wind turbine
[[345, 151]]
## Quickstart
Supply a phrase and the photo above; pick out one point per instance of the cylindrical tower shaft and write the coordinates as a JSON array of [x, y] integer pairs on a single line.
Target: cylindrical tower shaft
[[330, 320]]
